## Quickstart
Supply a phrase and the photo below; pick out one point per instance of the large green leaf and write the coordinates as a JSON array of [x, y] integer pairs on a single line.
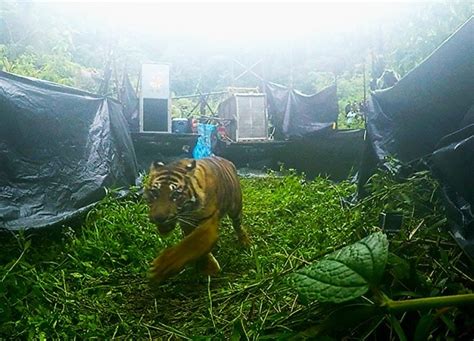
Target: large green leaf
[[345, 274]]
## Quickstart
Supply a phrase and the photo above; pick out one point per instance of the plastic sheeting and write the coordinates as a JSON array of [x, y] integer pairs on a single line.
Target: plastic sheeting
[[129, 100], [453, 163], [59, 149], [205, 141], [296, 114], [409, 119], [429, 114]]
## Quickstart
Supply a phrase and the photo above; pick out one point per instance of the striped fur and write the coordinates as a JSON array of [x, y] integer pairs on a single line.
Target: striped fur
[[196, 194]]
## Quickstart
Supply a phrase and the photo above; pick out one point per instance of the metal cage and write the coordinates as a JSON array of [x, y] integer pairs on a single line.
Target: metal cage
[[248, 116]]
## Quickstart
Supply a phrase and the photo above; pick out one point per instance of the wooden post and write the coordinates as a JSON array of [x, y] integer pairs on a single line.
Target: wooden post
[[365, 84], [117, 83], [202, 106], [291, 65]]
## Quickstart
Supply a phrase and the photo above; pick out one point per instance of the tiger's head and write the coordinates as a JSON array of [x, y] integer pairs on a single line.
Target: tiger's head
[[169, 194]]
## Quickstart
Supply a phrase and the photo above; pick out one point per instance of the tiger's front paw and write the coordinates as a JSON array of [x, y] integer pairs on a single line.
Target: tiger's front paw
[[165, 265], [208, 265]]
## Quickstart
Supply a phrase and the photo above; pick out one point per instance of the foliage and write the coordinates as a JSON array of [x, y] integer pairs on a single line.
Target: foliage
[[426, 28], [182, 107], [345, 274], [50, 42], [56, 67], [92, 281], [412, 272]]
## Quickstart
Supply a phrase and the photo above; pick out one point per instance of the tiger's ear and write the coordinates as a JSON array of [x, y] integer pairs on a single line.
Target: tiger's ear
[[191, 165], [155, 165]]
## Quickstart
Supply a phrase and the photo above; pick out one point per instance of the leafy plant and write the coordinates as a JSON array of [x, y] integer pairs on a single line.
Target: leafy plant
[[350, 272], [345, 274]]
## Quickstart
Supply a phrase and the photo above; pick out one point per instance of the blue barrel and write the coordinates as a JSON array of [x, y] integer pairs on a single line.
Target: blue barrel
[[180, 125]]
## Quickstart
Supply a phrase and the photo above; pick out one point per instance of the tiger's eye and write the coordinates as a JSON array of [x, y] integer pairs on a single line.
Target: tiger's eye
[[151, 194], [147, 196], [176, 194]]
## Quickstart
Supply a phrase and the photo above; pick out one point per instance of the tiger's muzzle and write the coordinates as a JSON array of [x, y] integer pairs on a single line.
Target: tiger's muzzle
[[164, 225]]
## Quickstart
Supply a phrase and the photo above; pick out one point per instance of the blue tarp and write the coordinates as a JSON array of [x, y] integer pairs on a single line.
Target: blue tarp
[[203, 146]]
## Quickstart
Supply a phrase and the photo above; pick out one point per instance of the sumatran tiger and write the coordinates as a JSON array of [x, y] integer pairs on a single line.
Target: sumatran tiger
[[196, 194]]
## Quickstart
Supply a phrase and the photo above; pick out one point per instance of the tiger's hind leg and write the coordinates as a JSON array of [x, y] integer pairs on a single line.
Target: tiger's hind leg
[[242, 234]]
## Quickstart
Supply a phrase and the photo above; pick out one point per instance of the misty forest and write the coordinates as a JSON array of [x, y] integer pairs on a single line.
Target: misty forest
[[349, 127]]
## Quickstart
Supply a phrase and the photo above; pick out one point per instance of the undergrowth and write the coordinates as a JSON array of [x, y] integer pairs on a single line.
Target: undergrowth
[[92, 281]]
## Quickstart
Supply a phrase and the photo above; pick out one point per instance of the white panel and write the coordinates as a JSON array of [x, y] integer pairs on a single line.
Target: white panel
[[155, 85], [155, 81]]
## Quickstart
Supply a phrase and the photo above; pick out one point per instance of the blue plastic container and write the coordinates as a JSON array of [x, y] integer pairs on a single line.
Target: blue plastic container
[[180, 125]]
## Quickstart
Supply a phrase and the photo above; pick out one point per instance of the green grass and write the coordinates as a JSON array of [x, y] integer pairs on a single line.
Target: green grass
[[92, 282]]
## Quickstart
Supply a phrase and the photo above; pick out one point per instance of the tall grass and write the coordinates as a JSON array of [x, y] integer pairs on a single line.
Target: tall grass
[[92, 282]]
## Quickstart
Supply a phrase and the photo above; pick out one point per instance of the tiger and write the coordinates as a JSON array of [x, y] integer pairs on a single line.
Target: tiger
[[196, 194]]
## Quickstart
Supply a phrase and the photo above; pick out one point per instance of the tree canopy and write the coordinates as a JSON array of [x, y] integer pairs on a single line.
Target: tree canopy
[[72, 43]]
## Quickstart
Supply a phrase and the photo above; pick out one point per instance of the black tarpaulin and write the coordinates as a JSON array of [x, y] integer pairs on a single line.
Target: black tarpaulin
[[296, 114], [59, 148], [453, 163], [429, 114], [409, 119], [129, 100]]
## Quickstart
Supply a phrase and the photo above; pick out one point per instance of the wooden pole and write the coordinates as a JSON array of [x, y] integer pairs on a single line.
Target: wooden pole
[[117, 83], [291, 65], [365, 84]]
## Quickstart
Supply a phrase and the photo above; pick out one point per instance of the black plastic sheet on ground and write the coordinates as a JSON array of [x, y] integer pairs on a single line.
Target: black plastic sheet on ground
[[59, 149], [429, 114], [296, 114]]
